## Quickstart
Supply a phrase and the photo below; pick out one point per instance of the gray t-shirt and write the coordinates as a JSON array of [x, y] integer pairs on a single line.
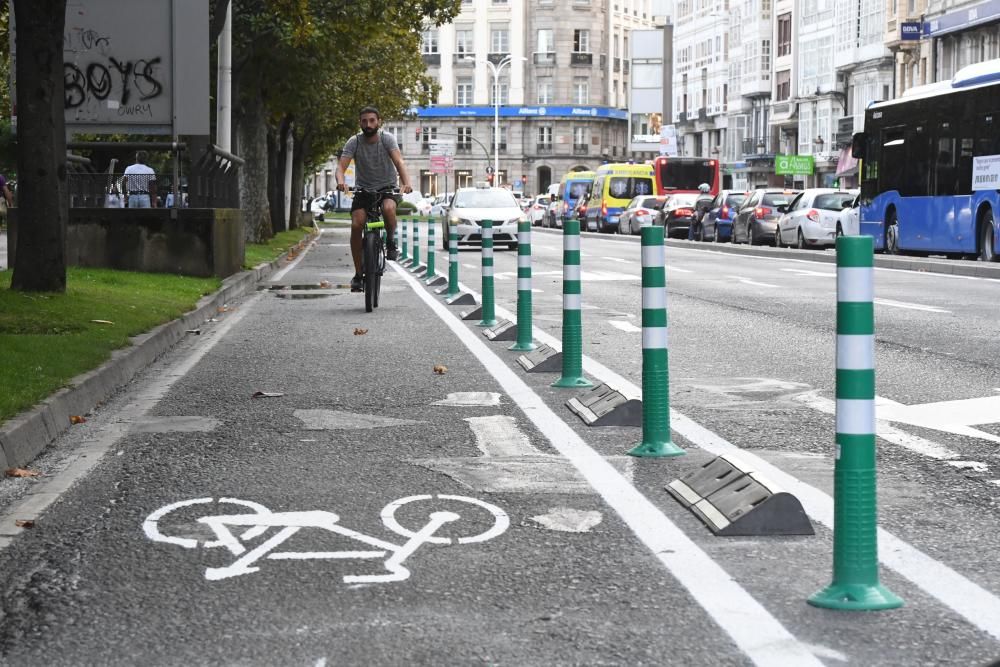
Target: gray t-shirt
[[373, 169]]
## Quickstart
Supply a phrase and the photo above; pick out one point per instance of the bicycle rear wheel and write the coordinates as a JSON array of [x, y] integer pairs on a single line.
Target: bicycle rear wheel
[[379, 268], [369, 260]]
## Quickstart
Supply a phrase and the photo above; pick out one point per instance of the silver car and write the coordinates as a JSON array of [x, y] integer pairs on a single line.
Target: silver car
[[813, 218], [471, 206]]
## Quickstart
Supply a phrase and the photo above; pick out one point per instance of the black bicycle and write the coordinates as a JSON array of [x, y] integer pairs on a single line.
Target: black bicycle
[[373, 245]]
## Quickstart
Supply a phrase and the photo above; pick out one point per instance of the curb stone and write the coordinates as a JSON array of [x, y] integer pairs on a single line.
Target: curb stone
[[25, 435]]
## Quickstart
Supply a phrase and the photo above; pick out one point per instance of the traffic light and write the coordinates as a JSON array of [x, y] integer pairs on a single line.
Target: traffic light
[[417, 135], [524, 179], [489, 179]]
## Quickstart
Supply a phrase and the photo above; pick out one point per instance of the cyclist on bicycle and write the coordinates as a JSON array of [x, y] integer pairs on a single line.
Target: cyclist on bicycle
[[377, 161]]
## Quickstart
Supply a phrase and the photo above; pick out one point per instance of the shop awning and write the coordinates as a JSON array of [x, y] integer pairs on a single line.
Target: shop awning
[[846, 163]]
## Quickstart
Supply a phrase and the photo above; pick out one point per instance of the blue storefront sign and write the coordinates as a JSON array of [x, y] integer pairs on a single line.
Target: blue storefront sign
[[522, 112], [909, 30], [963, 19]]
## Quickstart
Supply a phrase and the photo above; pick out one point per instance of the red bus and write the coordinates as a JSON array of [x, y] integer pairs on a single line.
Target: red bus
[[684, 174]]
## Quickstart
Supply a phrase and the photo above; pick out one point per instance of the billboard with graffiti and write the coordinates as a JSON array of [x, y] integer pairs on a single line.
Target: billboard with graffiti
[[120, 62]]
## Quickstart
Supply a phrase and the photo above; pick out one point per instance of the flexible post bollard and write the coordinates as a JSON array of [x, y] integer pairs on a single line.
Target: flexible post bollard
[[452, 262], [416, 245], [406, 247], [489, 305], [572, 324], [655, 357], [430, 252], [855, 583], [524, 324]]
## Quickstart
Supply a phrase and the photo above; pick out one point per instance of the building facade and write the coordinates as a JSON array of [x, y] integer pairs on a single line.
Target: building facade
[[552, 75]]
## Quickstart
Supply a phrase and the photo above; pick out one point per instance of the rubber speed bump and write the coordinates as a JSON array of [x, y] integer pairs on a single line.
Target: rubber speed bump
[[732, 499], [606, 406], [504, 330], [543, 359]]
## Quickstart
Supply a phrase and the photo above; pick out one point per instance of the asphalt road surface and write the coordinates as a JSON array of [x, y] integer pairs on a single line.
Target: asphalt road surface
[[409, 495]]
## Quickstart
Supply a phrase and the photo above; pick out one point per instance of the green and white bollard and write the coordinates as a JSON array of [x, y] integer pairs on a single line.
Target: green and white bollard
[[572, 324], [406, 247], [430, 252], [855, 523], [655, 357], [524, 325], [489, 304], [453, 290], [416, 245]]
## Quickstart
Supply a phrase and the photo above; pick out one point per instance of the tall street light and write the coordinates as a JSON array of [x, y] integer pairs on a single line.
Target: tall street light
[[496, 70]]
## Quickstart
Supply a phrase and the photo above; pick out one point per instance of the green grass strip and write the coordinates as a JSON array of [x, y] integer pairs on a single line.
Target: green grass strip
[[47, 339]]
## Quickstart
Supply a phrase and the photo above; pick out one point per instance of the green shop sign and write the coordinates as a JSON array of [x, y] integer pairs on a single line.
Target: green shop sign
[[793, 164]]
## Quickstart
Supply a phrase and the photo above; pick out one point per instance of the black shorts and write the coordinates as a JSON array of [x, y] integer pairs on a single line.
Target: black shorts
[[362, 200]]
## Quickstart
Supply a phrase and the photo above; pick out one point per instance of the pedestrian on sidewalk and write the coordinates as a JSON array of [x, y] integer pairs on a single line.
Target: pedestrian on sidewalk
[[8, 197], [140, 182], [377, 161]]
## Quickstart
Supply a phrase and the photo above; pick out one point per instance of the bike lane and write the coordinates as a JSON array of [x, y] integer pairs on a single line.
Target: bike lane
[[393, 504]]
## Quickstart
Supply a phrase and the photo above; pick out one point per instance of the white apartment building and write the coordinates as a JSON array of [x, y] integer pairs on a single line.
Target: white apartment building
[[701, 76]]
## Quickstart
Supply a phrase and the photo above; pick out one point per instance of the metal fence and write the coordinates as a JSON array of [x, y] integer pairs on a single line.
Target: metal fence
[[210, 180]]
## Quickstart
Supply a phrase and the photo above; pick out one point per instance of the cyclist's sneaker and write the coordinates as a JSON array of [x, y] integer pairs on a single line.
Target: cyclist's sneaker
[[356, 284], [390, 252]]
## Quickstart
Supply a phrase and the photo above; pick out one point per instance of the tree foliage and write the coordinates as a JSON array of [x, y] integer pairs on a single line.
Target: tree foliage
[[313, 63]]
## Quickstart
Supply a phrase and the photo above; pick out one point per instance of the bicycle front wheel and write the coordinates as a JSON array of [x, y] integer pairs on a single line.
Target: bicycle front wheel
[[369, 260], [379, 270]]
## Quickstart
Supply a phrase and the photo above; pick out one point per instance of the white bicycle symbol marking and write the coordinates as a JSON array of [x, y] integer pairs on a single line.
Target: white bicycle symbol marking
[[261, 519]]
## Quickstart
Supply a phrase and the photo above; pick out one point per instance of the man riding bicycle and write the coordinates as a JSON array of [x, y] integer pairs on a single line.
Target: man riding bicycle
[[377, 160]]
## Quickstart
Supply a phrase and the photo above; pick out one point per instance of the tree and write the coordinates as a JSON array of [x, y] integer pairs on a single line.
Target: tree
[[42, 214], [285, 52]]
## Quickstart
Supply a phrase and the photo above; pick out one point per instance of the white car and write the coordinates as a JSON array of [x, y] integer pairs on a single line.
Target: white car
[[813, 218], [470, 206], [538, 210]]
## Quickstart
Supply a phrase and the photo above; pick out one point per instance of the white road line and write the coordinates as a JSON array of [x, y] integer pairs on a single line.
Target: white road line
[[498, 435], [747, 281], [755, 631], [625, 326], [678, 269], [883, 429], [963, 596], [619, 259], [804, 272], [910, 306]]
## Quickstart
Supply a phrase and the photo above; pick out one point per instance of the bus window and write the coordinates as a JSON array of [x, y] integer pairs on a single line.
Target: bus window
[[892, 159], [916, 163], [944, 167]]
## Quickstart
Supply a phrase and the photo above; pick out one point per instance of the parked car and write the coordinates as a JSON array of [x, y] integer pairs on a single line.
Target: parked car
[[717, 224], [812, 218], [439, 205], [758, 216], [677, 214], [848, 218], [553, 213], [420, 203], [538, 209], [640, 212], [470, 206]]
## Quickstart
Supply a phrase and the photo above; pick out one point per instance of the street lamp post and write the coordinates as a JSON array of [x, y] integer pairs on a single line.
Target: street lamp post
[[495, 70]]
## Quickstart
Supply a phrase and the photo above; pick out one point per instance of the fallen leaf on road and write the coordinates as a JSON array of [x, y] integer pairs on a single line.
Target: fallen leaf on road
[[440, 370], [102, 321], [21, 472], [360, 332], [266, 394], [77, 419], [223, 309], [324, 283], [24, 523]]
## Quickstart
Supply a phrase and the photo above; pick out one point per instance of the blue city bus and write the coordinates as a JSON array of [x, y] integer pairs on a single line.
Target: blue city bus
[[930, 163]]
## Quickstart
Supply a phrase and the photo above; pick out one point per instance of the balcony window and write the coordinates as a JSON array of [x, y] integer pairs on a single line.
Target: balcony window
[[464, 142], [504, 90], [581, 41], [463, 92], [499, 38], [545, 41], [782, 85], [502, 142], [545, 139], [546, 91], [464, 44], [784, 34]]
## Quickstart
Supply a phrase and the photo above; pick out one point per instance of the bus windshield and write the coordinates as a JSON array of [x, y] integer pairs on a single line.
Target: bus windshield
[[627, 187], [681, 174]]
